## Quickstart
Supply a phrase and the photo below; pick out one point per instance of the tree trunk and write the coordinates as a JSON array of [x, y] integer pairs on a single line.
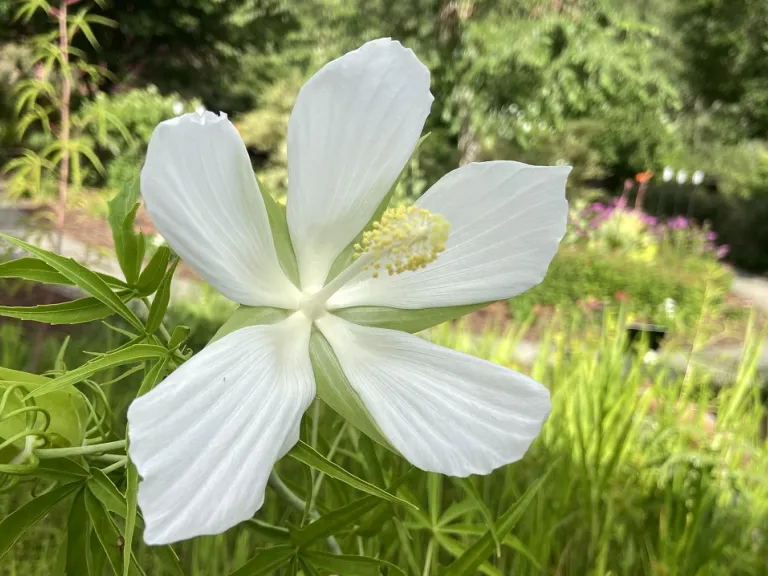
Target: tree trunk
[[66, 93]]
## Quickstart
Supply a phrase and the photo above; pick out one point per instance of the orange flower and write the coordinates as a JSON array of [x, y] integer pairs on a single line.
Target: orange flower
[[622, 296], [643, 177]]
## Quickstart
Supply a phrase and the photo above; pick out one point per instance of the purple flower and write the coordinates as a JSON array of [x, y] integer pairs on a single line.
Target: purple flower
[[597, 207], [711, 236], [722, 251], [678, 223], [648, 219]]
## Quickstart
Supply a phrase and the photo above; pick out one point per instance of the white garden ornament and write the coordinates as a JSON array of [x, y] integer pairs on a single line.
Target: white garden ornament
[[205, 440]]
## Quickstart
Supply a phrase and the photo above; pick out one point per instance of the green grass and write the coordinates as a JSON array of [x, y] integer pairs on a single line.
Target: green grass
[[646, 473]]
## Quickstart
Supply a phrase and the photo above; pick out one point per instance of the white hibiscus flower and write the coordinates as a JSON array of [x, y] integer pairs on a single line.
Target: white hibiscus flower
[[206, 439]]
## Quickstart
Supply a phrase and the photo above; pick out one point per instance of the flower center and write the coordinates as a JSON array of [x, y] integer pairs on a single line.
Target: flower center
[[312, 306], [404, 239]]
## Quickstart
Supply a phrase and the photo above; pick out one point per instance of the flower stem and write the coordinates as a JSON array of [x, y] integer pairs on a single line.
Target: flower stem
[[116, 466], [294, 501], [48, 453]]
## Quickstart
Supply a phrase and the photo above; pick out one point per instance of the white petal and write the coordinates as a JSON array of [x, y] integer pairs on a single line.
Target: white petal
[[442, 410], [507, 220], [353, 128], [199, 188], [205, 440]]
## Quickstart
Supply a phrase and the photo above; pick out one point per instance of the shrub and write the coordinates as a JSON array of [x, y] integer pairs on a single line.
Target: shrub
[[137, 112], [576, 275], [741, 223]]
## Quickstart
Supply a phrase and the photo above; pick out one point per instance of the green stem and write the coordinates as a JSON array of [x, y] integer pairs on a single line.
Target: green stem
[[294, 501], [48, 453], [116, 466]]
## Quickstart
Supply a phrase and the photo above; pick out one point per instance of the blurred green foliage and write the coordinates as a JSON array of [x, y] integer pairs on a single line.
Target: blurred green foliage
[[644, 472], [614, 87], [611, 86], [578, 277]]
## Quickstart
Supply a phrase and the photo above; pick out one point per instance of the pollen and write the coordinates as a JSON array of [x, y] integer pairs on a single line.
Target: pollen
[[406, 238]]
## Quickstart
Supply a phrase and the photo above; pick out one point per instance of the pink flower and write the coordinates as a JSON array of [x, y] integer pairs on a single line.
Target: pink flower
[[722, 251]]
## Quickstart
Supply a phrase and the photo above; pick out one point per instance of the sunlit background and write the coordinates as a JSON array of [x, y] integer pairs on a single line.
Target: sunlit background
[[648, 328]]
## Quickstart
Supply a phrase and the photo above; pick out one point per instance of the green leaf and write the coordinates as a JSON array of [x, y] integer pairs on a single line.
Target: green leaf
[[35, 270], [82, 277], [122, 203], [405, 320], [373, 465], [32, 269], [13, 526], [246, 316], [98, 558], [305, 454], [434, 496], [129, 246], [160, 303], [77, 537], [61, 470], [131, 492], [510, 541], [128, 355], [336, 391], [11, 375], [72, 312], [178, 337], [339, 520], [281, 236], [107, 493], [456, 549], [106, 531], [268, 532], [466, 485], [266, 561], [153, 377], [113, 500], [167, 556], [153, 274], [345, 565], [475, 555]]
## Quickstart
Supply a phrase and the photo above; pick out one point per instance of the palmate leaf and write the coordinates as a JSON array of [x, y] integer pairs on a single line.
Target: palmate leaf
[[137, 352], [78, 528], [105, 529], [35, 270], [152, 276], [466, 485], [129, 246], [305, 454], [162, 298], [345, 565], [13, 526], [72, 312], [266, 562], [334, 522], [475, 555], [113, 501], [81, 276]]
